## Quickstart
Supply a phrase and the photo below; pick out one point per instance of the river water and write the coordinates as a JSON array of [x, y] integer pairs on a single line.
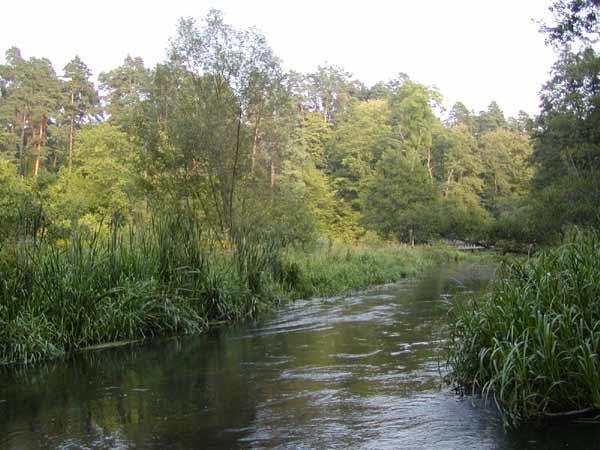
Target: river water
[[354, 372]]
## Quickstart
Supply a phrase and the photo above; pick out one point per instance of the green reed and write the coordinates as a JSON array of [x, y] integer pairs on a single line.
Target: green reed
[[531, 344], [122, 284], [166, 277]]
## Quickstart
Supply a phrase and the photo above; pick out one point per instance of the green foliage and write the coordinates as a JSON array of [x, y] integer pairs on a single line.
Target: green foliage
[[124, 89], [491, 120], [567, 151], [532, 343], [574, 20], [400, 200], [31, 96], [220, 131], [15, 201], [102, 184], [356, 146], [329, 91]]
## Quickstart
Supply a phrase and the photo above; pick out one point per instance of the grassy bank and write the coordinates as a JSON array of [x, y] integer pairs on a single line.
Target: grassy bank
[[164, 279], [339, 269], [532, 343]]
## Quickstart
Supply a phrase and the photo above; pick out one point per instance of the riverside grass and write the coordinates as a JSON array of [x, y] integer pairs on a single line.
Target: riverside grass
[[532, 343], [166, 278], [339, 269]]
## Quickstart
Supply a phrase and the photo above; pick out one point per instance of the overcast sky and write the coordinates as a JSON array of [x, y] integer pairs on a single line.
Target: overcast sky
[[472, 50]]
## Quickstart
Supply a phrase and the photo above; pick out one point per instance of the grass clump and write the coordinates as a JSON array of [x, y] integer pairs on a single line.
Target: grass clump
[[532, 343]]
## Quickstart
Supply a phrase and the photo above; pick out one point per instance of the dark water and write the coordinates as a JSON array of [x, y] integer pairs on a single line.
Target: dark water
[[355, 372]]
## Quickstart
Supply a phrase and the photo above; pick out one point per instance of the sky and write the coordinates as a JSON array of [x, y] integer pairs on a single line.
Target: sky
[[473, 51]]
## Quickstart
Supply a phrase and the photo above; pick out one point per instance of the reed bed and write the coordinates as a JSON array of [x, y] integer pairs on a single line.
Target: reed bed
[[166, 278], [160, 279], [531, 344]]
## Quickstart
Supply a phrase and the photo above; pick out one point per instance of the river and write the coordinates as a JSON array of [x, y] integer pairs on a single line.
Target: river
[[353, 372]]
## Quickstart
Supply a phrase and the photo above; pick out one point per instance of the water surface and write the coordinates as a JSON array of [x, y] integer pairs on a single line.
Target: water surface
[[353, 372]]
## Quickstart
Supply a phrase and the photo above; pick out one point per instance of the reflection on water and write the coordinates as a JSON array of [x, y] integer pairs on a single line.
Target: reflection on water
[[345, 372]]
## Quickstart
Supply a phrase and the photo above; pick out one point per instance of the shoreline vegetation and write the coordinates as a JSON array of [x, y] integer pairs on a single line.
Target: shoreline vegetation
[[222, 174], [531, 344], [167, 279]]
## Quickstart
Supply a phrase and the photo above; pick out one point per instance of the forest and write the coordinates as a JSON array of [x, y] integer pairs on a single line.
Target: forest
[[220, 132]]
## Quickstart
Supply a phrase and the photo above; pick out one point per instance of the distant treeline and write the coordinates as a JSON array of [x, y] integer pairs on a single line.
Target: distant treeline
[[219, 131]]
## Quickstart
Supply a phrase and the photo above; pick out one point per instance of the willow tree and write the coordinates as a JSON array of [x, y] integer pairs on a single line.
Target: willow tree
[[205, 115]]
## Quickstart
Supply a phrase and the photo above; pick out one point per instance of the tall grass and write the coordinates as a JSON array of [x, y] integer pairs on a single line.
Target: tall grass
[[124, 285], [337, 269], [532, 343], [165, 278]]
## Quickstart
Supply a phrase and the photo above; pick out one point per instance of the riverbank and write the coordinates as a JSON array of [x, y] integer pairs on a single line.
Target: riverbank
[[165, 279], [366, 362], [339, 269], [532, 343]]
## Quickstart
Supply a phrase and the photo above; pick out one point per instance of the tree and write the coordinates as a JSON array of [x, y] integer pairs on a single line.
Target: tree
[[31, 95], [123, 89], [101, 184], [206, 108], [490, 120], [505, 155], [356, 146], [82, 98], [567, 144], [522, 123], [329, 90], [573, 20], [459, 169], [400, 200], [412, 120], [460, 115], [14, 196]]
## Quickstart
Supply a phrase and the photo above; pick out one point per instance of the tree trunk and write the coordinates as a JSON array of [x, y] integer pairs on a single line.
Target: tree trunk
[[255, 140], [301, 110], [22, 145], [325, 108], [273, 174], [234, 171], [429, 168], [447, 188], [71, 127], [38, 156], [36, 167]]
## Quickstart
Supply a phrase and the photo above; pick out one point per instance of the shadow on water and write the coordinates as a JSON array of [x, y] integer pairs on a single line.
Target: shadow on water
[[361, 371]]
